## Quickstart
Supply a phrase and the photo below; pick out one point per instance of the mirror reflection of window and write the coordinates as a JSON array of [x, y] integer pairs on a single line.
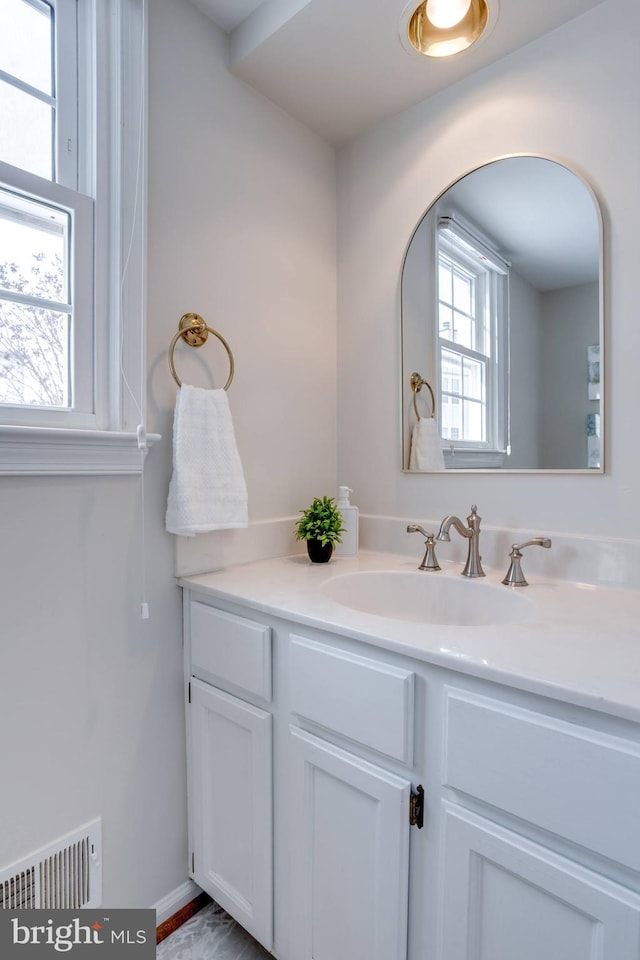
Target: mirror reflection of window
[[472, 318]]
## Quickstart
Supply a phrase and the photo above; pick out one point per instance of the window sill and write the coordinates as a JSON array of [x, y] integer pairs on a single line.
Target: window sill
[[460, 459], [42, 451]]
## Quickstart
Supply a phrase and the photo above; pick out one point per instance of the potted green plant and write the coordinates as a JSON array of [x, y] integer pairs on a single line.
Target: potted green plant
[[320, 525]]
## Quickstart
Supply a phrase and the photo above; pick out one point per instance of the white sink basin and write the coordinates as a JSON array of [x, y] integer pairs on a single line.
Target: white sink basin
[[428, 598]]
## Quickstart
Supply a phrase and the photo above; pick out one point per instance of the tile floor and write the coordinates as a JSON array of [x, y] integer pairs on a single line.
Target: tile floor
[[210, 935]]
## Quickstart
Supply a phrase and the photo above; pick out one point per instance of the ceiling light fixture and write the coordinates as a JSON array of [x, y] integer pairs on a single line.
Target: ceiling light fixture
[[446, 13], [442, 28]]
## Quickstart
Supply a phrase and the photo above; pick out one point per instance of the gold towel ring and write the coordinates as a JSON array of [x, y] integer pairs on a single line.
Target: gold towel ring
[[417, 383], [194, 331]]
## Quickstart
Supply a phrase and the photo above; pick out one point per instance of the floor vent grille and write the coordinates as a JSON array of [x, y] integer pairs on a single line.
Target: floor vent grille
[[65, 875]]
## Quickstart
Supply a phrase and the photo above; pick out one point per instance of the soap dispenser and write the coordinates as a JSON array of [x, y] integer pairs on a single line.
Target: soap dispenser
[[350, 520]]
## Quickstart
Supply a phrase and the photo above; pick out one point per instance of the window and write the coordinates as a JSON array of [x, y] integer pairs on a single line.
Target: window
[[71, 235], [472, 319]]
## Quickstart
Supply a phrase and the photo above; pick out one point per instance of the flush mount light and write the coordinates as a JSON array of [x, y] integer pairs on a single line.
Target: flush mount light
[[442, 28]]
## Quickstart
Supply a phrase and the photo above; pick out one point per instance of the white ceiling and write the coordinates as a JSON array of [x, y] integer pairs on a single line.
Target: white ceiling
[[228, 13], [540, 216], [339, 65]]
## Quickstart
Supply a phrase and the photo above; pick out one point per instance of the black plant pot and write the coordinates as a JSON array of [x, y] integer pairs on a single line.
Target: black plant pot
[[319, 552]]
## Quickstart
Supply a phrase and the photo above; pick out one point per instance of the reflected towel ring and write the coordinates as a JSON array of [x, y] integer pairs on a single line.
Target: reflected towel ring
[[194, 331], [417, 383]]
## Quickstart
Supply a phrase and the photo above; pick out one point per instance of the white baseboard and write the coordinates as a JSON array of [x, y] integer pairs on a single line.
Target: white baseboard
[[175, 901]]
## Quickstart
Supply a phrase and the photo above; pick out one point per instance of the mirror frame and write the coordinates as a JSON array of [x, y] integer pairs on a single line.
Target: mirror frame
[[407, 367]]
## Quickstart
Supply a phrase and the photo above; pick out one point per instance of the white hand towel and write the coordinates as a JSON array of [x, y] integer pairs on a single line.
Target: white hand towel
[[207, 489], [426, 451]]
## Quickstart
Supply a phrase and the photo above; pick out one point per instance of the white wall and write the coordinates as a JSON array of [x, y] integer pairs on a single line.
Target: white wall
[[241, 229], [89, 694], [570, 324], [572, 96], [526, 375]]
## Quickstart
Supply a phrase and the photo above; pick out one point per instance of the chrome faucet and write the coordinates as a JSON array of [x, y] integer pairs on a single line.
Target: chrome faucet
[[473, 566]]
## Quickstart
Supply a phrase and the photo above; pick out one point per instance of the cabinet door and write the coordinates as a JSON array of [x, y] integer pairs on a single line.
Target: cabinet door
[[350, 855], [231, 807], [506, 898]]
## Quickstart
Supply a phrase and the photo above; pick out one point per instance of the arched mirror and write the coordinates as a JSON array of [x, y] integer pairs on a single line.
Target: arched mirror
[[502, 324]]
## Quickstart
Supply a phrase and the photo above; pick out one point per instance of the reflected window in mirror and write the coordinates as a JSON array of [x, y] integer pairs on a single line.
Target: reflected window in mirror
[[472, 359], [501, 298]]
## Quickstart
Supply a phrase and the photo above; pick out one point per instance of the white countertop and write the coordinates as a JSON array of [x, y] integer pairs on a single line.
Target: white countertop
[[580, 643]]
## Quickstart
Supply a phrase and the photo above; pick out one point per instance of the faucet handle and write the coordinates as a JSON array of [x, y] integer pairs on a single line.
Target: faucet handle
[[416, 528], [534, 542], [514, 576], [429, 561]]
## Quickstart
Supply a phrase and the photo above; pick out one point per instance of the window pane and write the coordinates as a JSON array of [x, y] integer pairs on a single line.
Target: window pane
[[451, 372], [445, 322], [473, 382], [462, 292], [34, 356], [463, 326], [33, 248], [27, 131], [445, 289], [25, 42], [474, 422], [451, 428], [34, 342]]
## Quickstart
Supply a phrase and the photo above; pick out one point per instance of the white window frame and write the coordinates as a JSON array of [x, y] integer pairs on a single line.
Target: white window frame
[[472, 253], [111, 169]]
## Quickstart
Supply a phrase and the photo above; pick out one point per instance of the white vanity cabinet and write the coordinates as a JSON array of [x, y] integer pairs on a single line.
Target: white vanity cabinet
[[324, 768], [305, 748], [349, 830], [541, 833], [349, 844], [506, 898], [230, 763]]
